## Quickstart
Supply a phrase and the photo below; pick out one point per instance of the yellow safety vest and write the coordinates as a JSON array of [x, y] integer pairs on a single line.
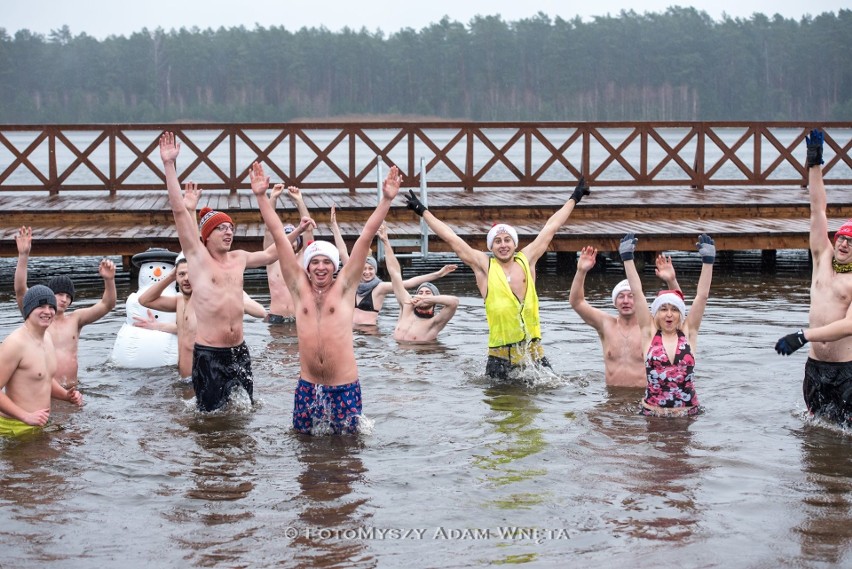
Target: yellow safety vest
[[509, 320]]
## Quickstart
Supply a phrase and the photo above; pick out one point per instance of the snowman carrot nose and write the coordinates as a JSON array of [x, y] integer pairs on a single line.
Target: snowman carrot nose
[[158, 272]]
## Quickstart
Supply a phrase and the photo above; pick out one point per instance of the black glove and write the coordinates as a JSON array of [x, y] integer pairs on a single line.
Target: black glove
[[581, 190], [814, 144], [627, 246], [706, 248], [413, 203], [791, 342]]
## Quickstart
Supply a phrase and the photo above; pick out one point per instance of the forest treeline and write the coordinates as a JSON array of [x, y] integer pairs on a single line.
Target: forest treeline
[[677, 65]]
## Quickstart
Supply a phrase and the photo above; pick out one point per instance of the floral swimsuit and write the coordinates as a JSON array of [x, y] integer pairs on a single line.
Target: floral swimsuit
[[670, 384]]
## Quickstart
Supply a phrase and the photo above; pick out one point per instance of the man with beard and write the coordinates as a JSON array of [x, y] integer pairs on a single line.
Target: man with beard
[[624, 362], [220, 361], [506, 281], [328, 392], [418, 320]]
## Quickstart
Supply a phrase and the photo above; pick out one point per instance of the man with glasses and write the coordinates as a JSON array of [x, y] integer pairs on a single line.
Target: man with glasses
[[827, 386], [221, 362]]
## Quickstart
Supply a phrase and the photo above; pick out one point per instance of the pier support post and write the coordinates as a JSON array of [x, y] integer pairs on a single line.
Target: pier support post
[[768, 259], [566, 263]]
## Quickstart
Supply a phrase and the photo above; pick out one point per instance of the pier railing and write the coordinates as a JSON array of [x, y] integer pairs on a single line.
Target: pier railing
[[457, 155]]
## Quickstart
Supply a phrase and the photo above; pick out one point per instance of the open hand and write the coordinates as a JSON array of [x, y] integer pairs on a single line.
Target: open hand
[[259, 180], [24, 240], [169, 147]]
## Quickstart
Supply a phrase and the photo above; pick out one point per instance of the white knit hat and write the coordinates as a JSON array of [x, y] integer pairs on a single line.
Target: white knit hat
[[619, 288], [501, 228], [323, 248]]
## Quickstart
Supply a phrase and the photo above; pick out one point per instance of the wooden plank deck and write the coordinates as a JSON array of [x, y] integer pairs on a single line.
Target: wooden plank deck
[[666, 219]]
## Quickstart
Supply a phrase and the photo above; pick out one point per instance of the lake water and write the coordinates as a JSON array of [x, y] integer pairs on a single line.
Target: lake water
[[456, 471]]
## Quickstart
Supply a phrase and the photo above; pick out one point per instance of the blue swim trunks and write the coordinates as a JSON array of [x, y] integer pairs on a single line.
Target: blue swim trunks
[[338, 406]]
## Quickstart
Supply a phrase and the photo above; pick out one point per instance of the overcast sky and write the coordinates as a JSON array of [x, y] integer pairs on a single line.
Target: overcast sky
[[101, 18]]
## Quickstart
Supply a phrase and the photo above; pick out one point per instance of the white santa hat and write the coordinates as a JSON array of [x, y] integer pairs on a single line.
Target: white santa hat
[[323, 248], [619, 288], [673, 297], [501, 228]]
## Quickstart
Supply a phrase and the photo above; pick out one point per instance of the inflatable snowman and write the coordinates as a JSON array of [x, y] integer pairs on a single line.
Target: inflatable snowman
[[137, 347]]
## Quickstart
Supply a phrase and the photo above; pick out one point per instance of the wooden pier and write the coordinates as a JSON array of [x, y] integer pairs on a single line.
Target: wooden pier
[[750, 210]]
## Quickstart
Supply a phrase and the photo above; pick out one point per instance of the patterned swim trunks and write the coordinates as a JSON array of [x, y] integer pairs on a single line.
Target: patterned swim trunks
[[337, 407]]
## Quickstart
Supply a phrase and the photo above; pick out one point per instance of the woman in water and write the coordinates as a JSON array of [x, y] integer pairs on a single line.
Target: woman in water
[[669, 335]]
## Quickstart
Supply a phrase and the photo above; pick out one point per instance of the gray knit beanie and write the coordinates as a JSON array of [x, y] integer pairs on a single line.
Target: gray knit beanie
[[36, 296]]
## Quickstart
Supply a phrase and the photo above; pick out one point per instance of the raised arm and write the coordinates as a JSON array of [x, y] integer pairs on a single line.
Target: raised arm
[[338, 238], [819, 242], [394, 270], [707, 250], [186, 227], [539, 245], [24, 242], [270, 252], [476, 260], [626, 250], [296, 195], [152, 297], [415, 282], [107, 302], [665, 271], [577, 296], [351, 271], [290, 269]]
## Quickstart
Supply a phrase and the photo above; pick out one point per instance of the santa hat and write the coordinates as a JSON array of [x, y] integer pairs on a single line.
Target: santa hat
[[501, 228], [210, 220], [673, 297]]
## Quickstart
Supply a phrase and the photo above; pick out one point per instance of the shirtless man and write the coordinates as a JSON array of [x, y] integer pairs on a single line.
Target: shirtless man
[[328, 391], [185, 322], [221, 359], [624, 362], [506, 282], [372, 291], [827, 386], [66, 326], [28, 366], [418, 320], [281, 307]]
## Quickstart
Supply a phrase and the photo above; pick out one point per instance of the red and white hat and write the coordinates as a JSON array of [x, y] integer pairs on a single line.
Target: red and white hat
[[210, 220], [673, 297]]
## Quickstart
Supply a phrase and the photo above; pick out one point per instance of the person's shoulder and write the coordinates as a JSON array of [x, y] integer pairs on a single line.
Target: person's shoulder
[[14, 337]]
